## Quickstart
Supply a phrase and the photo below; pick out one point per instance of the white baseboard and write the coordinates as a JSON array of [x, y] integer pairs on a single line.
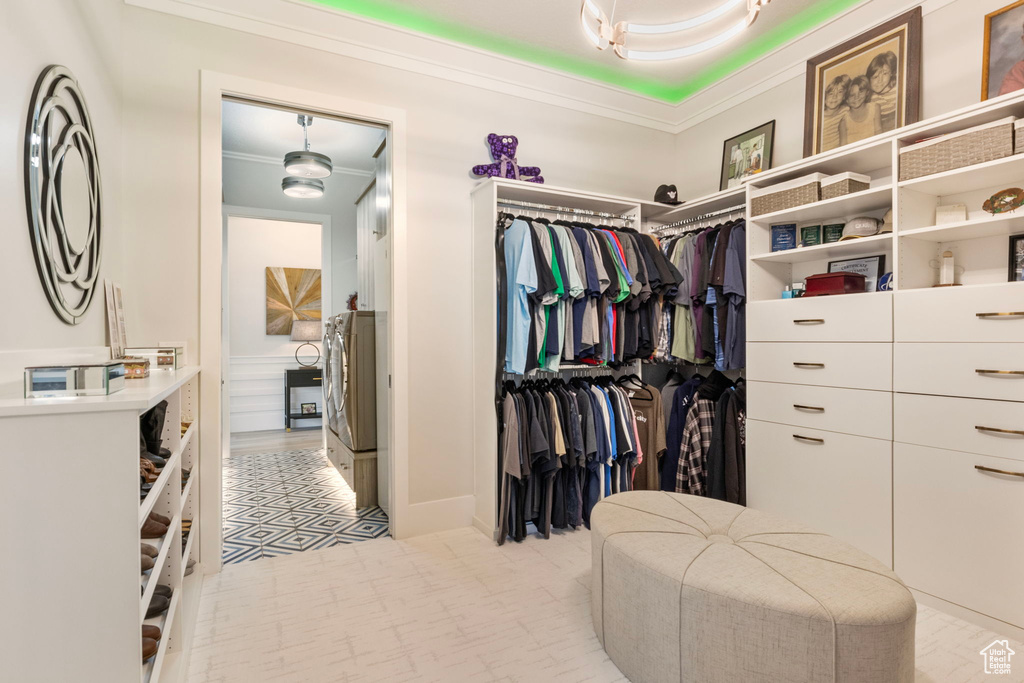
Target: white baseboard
[[992, 624], [439, 515]]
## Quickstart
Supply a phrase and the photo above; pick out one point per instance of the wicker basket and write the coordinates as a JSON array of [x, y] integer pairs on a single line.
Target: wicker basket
[[1018, 137], [844, 184], [964, 148], [803, 190]]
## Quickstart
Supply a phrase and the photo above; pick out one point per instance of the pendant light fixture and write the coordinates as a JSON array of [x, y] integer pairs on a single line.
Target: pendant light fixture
[[303, 188], [304, 163], [600, 30]]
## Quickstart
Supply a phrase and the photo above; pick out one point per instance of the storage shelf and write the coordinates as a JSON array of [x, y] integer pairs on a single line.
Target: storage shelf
[[154, 574], [977, 285], [1005, 224], [158, 486], [304, 416], [865, 246], [872, 199], [1006, 172], [706, 204], [165, 622], [186, 491], [186, 553]]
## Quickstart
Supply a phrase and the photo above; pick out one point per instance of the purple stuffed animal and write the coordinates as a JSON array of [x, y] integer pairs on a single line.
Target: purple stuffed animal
[[503, 150]]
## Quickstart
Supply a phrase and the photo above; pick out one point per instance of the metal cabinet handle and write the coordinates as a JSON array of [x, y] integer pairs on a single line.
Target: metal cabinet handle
[[1008, 314], [811, 408], [1000, 372], [1015, 432], [993, 470], [809, 439], [809, 365], [812, 321]]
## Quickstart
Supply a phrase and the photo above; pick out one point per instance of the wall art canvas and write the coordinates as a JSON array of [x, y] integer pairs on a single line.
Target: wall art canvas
[[1016, 258], [1003, 62], [867, 86], [747, 155], [292, 294]]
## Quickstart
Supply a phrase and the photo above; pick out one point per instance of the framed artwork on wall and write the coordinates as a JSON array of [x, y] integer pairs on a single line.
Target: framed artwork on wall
[[869, 85], [1002, 68], [1016, 258], [292, 294], [871, 267], [747, 154]]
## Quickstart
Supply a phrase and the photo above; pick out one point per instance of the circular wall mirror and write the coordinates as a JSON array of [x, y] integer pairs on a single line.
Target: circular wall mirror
[[63, 193]]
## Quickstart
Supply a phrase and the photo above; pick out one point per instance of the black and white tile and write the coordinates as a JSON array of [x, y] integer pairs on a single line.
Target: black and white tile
[[288, 502]]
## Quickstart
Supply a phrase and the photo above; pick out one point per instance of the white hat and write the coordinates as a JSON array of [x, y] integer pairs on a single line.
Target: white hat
[[886, 223], [865, 226]]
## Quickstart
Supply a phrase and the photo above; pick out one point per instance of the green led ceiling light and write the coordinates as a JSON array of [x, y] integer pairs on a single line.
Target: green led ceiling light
[[741, 55]]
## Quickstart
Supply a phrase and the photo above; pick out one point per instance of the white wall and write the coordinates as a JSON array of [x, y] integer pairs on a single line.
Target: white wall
[[952, 37], [447, 126], [86, 38], [258, 360], [257, 184]]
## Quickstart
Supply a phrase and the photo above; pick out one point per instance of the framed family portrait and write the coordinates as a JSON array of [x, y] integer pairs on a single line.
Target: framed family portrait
[[747, 155], [869, 85], [1003, 66]]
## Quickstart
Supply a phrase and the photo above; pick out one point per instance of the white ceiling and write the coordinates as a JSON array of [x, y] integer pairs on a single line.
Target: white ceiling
[[272, 133], [554, 25]]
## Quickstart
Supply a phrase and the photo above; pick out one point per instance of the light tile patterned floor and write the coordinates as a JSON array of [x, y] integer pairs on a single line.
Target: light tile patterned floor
[[291, 501], [448, 607]]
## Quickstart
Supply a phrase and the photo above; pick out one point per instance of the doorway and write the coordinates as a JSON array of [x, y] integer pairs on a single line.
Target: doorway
[[299, 262]]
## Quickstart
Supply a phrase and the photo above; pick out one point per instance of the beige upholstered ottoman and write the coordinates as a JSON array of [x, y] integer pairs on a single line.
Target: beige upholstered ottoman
[[692, 589]]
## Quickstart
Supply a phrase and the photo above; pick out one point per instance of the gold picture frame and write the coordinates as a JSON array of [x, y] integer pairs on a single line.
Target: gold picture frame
[[1004, 33]]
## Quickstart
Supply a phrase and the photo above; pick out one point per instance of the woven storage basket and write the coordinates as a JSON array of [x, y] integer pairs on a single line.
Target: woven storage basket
[[844, 184], [1018, 137], [803, 190], [964, 148]]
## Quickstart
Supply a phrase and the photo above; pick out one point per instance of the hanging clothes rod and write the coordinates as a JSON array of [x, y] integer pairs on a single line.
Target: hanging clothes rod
[[516, 204], [703, 217]]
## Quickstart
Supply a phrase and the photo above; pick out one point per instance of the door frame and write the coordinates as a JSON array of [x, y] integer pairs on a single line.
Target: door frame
[[214, 87]]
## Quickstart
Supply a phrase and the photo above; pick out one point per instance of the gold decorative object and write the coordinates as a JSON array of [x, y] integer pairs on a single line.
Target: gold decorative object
[[292, 294]]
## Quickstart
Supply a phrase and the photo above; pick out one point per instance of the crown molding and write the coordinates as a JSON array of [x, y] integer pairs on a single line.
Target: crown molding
[[274, 161]]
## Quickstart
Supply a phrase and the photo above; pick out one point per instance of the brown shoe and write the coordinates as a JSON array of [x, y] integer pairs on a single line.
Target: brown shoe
[[166, 521], [147, 549], [147, 563], [151, 529], [158, 605], [150, 631], [149, 648]]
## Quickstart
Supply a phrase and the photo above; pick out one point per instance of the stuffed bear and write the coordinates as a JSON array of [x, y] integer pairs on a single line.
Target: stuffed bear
[[505, 165]]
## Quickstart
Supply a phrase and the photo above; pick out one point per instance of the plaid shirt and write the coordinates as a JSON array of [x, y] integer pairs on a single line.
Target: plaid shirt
[[692, 473]]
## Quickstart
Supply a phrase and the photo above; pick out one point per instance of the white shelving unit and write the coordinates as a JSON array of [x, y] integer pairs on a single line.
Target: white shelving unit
[[70, 467]]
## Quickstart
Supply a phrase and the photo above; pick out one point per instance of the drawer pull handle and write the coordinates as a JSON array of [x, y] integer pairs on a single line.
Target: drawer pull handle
[[817, 366], [1008, 314], [813, 409], [817, 321], [993, 470], [1015, 432], [1000, 372], [809, 439]]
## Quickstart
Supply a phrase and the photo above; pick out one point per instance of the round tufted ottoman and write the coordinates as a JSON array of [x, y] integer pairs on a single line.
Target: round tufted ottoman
[[692, 589]]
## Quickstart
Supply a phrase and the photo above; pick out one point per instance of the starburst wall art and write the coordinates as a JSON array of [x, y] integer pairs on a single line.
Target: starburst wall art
[[292, 294]]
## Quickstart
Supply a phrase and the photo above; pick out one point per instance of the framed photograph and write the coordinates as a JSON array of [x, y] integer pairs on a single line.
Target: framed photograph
[[1002, 69], [871, 267], [1016, 258], [308, 409], [747, 155], [869, 85]]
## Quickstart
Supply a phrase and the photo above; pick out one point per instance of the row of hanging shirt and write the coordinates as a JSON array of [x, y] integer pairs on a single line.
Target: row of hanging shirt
[[567, 445], [704, 321], [579, 292]]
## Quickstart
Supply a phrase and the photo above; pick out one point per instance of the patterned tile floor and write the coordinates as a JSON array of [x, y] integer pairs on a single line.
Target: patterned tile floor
[[287, 502]]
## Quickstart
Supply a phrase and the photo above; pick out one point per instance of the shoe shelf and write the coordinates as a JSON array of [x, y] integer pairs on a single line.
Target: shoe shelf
[[160, 485], [165, 622], [157, 575]]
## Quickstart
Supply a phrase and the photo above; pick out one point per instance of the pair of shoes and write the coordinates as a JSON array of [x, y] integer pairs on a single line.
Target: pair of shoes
[[155, 526], [149, 647], [148, 472], [151, 426], [147, 563], [160, 602], [190, 567]]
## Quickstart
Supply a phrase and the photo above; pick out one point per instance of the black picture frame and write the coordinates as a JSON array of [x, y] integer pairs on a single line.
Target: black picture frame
[[308, 409], [767, 150], [1016, 260], [874, 272]]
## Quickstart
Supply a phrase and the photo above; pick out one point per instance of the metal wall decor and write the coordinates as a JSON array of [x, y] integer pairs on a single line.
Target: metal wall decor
[[62, 193]]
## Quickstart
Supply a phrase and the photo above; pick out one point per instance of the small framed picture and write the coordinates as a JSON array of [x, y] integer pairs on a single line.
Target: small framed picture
[[783, 236], [1016, 258], [747, 155], [1002, 69], [309, 409], [871, 267]]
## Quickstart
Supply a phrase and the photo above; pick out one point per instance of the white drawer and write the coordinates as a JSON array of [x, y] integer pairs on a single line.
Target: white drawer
[[957, 529], [849, 411], [841, 485], [960, 424], [847, 318], [953, 370], [950, 314], [850, 366]]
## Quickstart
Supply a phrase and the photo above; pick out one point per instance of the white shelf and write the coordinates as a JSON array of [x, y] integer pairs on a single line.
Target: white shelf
[[154, 574], [186, 553], [165, 622], [158, 486], [1006, 172], [1004, 224], [706, 204], [873, 199], [138, 394], [186, 491], [865, 246]]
